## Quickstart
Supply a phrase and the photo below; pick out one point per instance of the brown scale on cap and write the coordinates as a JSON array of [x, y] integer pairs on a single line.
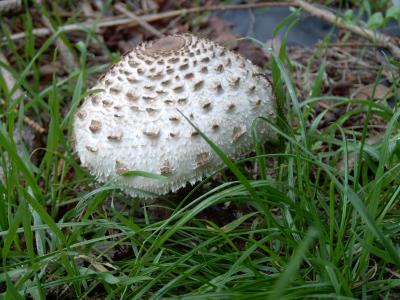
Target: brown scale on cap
[[173, 60], [204, 70], [255, 103], [107, 103], [95, 99], [115, 136], [152, 111], [189, 76], [234, 81], [150, 87], [182, 101], [134, 120], [202, 159], [120, 168], [214, 125], [157, 76], [148, 98], [183, 67], [131, 95], [219, 68], [250, 89], [178, 89], [194, 133], [174, 118], [161, 92], [92, 149], [217, 87], [81, 114], [132, 79], [198, 85], [95, 126], [205, 104], [238, 132], [133, 63], [165, 168], [166, 82], [152, 132], [230, 107], [135, 108]]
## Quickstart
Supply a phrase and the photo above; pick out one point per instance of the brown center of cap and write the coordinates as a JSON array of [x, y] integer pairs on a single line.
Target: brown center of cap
[[169, 43]]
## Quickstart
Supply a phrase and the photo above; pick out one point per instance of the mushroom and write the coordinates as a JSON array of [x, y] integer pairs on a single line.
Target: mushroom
[[135, 122]]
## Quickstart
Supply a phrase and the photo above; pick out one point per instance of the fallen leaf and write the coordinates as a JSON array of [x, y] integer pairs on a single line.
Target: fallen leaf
[[371, 91]]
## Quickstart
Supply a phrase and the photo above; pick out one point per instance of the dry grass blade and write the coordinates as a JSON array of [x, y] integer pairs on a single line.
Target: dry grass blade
[[122, 9], [9, 6], [10, 83], [65, 54], [122, 20]]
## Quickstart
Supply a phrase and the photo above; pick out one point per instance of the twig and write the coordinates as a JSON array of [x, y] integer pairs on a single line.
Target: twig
[[10, 83], [122, 20], [8, 78], [87, 9], [34, 125], [122, 9], [66, 55], [9, 6], [380, 39]]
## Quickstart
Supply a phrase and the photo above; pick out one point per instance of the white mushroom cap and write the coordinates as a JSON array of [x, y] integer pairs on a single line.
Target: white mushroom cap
[[134, 123]]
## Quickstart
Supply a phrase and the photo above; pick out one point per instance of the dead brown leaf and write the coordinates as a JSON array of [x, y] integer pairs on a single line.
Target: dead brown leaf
[[371, 91], [220, 31]]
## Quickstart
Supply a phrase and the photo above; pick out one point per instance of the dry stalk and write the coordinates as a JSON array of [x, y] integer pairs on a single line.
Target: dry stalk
[[10, 83], [66, 55], [10, 6], [122, 20], [381, 40], [122, 9]]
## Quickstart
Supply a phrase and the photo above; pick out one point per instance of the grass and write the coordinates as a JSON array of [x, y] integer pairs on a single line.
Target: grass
[[324, 226]]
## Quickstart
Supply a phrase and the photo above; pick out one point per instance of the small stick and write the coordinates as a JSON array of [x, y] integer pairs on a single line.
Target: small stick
[[383, 40], [10, 83], [8, 78], [380, 39], [65, 54], [34, 125], [87, 9], [9, 6], [147, 18], [122, 9]]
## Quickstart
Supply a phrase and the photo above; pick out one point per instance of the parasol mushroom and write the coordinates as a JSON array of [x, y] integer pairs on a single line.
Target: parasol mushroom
[[133, 123]]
